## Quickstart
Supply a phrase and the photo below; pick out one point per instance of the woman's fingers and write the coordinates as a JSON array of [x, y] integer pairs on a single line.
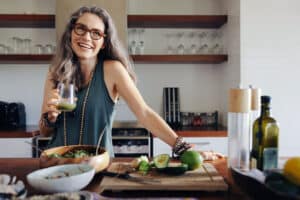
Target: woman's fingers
[[51, 109]]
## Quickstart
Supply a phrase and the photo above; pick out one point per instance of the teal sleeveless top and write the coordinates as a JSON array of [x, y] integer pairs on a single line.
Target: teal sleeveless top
[[99, 115]]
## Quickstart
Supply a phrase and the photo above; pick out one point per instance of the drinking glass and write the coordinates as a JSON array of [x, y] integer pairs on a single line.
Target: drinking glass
[[67, 98], [180, 47]]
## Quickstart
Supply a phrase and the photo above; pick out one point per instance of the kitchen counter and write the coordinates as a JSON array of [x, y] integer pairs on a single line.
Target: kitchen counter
[[26, 132], [20, 167]]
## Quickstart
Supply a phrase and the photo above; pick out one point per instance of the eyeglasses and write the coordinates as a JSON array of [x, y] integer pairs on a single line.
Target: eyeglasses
[[81, 29]]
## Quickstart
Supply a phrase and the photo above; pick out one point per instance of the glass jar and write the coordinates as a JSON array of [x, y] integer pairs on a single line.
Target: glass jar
[[185, 119]]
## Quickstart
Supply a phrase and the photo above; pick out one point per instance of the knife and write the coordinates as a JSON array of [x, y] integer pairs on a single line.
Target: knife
[[128, 177]]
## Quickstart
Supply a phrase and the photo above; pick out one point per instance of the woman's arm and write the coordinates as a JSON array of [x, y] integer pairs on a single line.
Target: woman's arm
[[125, 87], [49, 112]]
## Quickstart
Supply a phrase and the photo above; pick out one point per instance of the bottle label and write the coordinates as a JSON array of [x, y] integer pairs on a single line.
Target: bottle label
[[253, 164], [270, 158]]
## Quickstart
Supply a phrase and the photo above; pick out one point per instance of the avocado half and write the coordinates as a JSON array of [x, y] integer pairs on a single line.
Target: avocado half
[[174, 169]]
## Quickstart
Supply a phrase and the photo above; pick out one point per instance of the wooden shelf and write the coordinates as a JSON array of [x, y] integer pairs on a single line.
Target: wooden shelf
[[134, 21], [25, 59], [203, 59], [176, 21], [27, 21], [36, 59]]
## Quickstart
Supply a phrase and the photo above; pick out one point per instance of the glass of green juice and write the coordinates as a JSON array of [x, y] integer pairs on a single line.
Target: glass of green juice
[[66, 102]]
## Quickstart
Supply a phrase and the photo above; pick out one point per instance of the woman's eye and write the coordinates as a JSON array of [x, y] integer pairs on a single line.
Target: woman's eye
[[97, 33], [81, 29]]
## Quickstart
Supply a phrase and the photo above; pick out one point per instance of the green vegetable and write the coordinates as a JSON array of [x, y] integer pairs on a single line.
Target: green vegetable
[[55, 155], [161, 160], [144, 167], [72, 154]]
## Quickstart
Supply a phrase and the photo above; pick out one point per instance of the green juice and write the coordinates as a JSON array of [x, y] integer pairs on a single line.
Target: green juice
[[66, 107]]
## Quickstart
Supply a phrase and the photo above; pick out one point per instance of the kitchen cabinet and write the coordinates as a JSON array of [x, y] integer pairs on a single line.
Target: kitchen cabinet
[[217, 144], [15, 143], [15, 148]]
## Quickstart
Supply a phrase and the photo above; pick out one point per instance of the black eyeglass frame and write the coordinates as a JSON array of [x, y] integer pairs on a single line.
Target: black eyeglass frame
[[85, 29]]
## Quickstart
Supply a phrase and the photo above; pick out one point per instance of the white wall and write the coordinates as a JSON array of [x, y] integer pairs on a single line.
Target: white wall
[[198, 83], [270, 46], [229, 73]]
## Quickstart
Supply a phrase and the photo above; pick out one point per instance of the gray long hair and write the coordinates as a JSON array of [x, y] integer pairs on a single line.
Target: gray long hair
[[65, 66]]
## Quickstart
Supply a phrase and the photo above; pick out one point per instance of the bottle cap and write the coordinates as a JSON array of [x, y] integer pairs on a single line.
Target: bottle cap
[[265, 99], [239, 100], [255, 98]]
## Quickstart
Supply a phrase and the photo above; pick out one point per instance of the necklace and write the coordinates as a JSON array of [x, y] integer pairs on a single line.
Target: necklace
[[82, 114]]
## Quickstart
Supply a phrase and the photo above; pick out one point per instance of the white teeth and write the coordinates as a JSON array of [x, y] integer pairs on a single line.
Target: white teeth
[[84, 45]]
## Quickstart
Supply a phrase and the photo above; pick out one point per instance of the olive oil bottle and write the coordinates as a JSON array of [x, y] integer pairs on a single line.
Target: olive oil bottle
[[264, 154]]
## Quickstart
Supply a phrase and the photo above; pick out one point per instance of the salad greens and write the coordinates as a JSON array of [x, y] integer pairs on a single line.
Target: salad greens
[[72, 154]]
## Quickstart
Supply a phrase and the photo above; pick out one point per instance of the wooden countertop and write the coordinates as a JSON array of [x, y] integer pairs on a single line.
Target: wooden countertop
[[26, 132], [20, 167]]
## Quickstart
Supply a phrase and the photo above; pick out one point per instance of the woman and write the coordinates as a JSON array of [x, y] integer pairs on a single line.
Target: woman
[[91, 56]]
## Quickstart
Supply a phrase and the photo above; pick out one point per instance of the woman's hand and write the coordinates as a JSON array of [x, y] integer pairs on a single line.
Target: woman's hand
[[51, 107]]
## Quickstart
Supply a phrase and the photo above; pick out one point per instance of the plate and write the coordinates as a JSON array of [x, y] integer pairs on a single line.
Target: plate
[[61, 178]]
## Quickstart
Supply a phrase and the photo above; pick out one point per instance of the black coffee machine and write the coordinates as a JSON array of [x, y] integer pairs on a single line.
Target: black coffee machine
[[12, 115]]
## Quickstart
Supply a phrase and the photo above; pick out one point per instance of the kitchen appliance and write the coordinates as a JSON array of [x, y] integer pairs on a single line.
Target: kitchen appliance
[[128, 137], [12, 115]]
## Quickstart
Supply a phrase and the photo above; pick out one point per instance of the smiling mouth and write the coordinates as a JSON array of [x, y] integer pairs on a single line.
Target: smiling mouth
[[84, 46]]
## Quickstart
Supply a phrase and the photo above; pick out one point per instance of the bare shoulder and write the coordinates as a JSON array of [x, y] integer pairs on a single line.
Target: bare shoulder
[[114, 67]]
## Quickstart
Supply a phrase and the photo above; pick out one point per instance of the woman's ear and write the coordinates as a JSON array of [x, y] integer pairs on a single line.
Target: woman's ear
[[103, 46]]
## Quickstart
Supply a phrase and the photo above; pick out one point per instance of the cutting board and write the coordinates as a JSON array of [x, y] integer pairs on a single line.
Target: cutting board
[[206, 178]]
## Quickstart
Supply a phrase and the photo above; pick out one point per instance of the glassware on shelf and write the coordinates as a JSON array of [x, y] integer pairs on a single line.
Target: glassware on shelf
[[16, 45], [180, 46], [193, 49], [4, 49], [141, 41], [170, 47], [38, 49], [132, 47], [203, 49], [26, 46], [191, 46], [48, 49], [140, 48], [202, 37]]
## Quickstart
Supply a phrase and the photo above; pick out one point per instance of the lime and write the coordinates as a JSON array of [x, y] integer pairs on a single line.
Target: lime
[[161, 160], [291, 170], [192, 158], [144, 167], [135, 163]]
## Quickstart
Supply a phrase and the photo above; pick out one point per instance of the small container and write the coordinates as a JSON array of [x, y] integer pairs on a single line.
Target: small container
[[238, 128], [185, 119], [197, 119]]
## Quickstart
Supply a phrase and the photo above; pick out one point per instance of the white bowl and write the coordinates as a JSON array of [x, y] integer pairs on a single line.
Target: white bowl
[[61, 178]]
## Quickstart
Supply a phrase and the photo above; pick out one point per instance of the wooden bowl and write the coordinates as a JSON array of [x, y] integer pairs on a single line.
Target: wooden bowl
[[99, 162]]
